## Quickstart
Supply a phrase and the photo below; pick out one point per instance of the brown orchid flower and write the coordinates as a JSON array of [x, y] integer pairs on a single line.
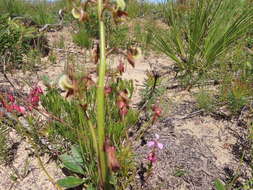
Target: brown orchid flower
[[112, 160]]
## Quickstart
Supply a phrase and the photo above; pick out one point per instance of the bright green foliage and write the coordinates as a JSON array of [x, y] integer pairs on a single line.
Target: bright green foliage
[[219, 185], [16, 40], [91, 26], [75, 127], [42, 17], [142, 9], [12, 41], [13, 7], [70, 182], [201, 33], [236, 87], [34, 10], [74, 162]]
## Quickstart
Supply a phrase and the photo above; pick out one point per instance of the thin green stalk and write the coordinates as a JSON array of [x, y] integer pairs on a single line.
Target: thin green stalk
[[93, 134], [100, 100]]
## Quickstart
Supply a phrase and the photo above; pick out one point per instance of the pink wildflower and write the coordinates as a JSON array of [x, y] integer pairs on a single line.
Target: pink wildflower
[[18, 108], [34, 96], [11, 98], [154, 143], [37, 91], [152, 157], [14, 107], [157, 113]]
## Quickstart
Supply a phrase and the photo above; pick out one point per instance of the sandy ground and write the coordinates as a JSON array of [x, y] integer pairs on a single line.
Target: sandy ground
[[200, 145]]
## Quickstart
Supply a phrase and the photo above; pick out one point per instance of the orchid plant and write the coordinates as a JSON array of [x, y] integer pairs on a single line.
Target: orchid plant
[[95, 113], [110, 96]]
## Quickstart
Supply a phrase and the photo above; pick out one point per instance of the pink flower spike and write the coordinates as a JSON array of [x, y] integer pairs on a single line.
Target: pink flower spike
[[39, 90], [151, 143], [157, 136], [18, 108], [35, 100], [160, 145], [11, 98]]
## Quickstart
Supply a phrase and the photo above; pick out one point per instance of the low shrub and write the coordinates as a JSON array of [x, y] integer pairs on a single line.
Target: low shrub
[[16, 40]]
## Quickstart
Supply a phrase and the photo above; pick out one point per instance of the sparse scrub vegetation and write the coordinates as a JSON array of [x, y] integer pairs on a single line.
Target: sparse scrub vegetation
[[107, 131], [16, 40]]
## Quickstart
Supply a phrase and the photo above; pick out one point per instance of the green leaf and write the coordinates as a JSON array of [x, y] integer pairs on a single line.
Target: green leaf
[[219, 185], [121, 4], [90, 188], [70, 182], [70, 163], [76, 154]]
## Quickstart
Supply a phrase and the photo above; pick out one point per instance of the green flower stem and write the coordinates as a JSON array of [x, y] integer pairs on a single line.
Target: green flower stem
[[100, 100], [93, 133]]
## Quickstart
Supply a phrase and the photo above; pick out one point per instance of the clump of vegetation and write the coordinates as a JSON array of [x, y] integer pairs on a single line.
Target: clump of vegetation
[[202, 33], [3, 143], [210, 43], [98, 153], [12, 46], [16, 40], [205, 100], [82, 39], [13, 7], [42, 17]]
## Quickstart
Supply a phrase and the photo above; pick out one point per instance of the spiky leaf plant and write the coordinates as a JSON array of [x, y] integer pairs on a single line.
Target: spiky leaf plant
[[202, 31]]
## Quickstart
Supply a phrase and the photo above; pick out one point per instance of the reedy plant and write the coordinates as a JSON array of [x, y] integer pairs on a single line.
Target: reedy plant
[[13, 7], [202, 32]]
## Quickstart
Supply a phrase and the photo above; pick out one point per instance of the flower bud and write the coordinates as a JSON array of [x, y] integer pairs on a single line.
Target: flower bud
[[152, 157], [121, 68], [157, 110], [108, 90], [133, 54], [112, 160]]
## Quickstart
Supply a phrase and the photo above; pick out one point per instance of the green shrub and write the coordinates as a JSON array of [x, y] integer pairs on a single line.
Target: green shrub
[[42, 17], [91, 26], [118, 37], [16, 40], [13, 7], [11, 43], [82, 39]]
